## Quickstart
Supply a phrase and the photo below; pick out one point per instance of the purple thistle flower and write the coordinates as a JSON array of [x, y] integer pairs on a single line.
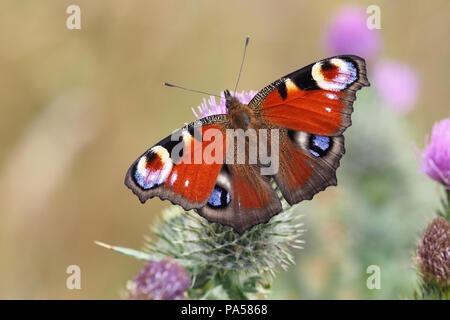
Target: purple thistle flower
[[436, 156], [214, 108], [348, 34], [397, 85], [159, 280]]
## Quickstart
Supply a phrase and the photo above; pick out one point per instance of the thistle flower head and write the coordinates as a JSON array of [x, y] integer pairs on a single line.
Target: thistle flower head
[[436, 156], [210, 107], [159, 280], [433, 254], [222, 263]]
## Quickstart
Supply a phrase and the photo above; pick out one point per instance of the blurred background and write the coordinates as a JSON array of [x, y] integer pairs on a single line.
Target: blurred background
[[77, 107]]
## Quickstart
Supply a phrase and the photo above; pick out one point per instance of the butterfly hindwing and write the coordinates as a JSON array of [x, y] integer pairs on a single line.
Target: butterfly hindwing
[[308, 164], [317, 99], [241, 198]]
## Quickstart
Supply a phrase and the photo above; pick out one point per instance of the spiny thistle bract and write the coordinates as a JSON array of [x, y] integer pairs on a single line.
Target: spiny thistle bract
[[223, 264]]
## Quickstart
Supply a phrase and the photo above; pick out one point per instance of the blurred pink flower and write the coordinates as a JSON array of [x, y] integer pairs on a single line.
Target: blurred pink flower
[[436, 156], [160, 280], [214, 108], [348, 34], [397, 84]]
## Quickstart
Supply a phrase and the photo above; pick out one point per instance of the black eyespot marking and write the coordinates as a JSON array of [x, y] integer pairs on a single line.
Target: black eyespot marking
[[226, 169], [150, 156], [326, 65], [319, 145], [220, 198], [292, 135], [282, 90]]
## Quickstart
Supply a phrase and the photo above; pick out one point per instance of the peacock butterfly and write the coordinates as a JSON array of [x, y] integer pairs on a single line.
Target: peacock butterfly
[[307, 110]]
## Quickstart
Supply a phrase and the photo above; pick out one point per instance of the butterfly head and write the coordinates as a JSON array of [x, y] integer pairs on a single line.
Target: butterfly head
[[240, 115], [231, 102]]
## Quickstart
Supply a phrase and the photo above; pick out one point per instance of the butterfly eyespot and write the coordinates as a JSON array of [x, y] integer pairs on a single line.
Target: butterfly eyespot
[[334, 74], [220, 198], [153, 168], [319, 145]]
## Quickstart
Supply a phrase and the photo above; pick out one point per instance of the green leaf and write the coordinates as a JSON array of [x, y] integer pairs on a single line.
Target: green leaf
[[126, 251]]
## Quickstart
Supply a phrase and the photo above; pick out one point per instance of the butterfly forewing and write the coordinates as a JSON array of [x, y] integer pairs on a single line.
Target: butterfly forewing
[[171, 170], [316, 99]]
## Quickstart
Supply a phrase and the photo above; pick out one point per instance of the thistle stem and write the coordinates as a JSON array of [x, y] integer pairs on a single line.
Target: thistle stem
[[232, 286], [446, 204]]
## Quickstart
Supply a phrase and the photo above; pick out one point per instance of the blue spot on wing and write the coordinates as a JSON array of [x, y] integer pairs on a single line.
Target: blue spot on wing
[[214, 200], [219, 198], [314, 153], [319, 145], [323, 142]]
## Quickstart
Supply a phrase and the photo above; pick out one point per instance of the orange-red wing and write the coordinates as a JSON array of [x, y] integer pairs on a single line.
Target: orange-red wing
[[317, 99], [308, 164], [194, 178], [182, 168]]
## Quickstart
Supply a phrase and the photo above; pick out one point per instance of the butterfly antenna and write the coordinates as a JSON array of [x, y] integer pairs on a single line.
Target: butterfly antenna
[[192, 90], [247, 39]]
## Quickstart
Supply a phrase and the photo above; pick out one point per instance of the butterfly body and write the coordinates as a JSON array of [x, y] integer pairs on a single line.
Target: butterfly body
[[304, 113], [239, 114]]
